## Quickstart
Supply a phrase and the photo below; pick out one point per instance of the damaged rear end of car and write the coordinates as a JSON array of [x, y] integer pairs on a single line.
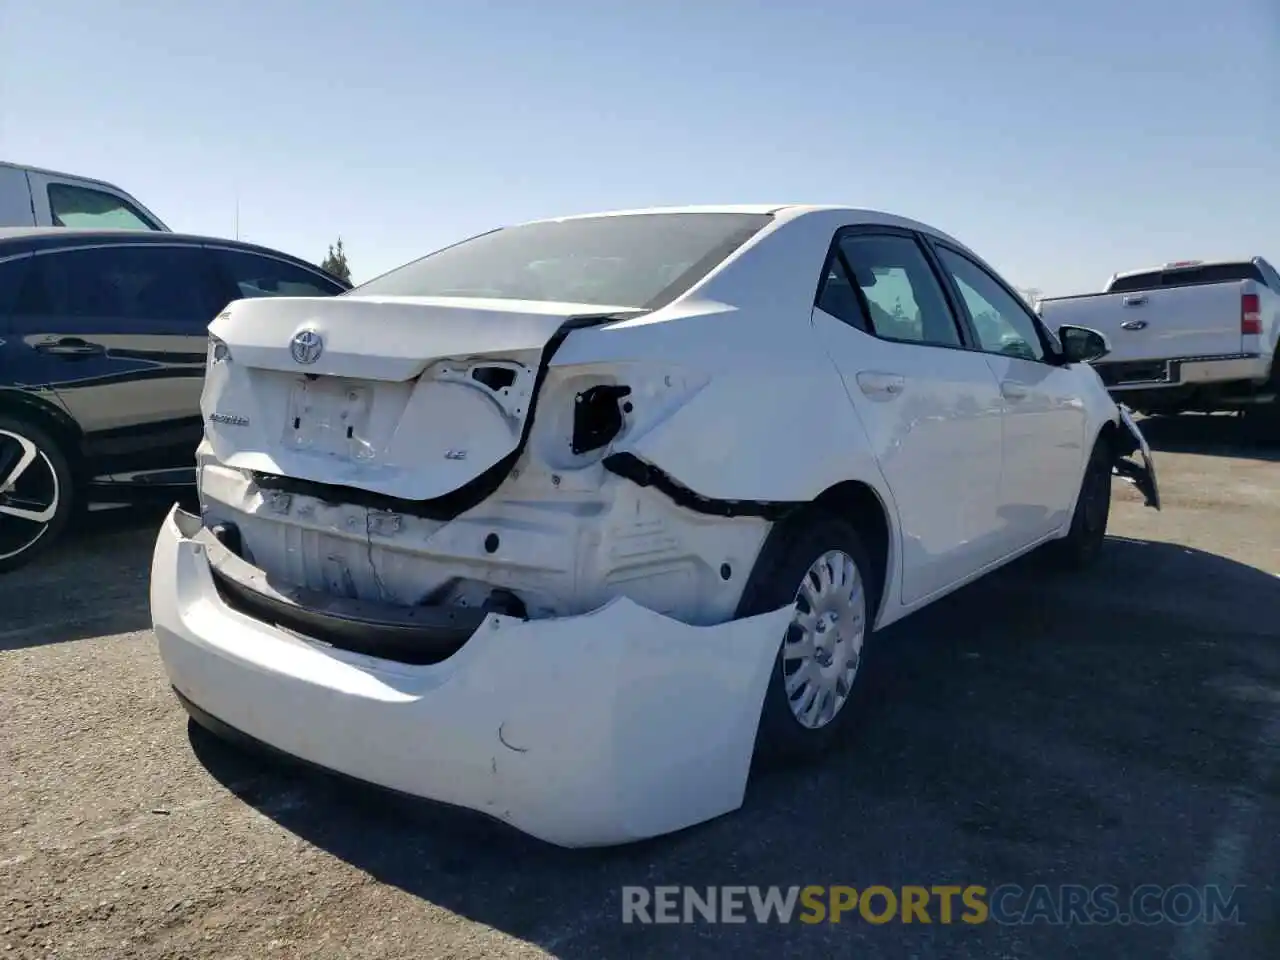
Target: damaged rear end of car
[[435, 457], [431, 554]]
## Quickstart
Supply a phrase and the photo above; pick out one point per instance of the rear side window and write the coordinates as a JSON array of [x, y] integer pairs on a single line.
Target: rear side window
[[149, 283], [893, 281], [81, 207], [1187, 277], [257, 276], [840, 298], [636, 261]]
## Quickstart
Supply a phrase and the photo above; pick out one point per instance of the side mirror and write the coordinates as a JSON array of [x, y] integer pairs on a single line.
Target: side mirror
[[1082, 345]]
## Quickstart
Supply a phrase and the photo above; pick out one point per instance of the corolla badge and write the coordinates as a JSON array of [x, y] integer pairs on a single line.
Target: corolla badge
[[306, 347]]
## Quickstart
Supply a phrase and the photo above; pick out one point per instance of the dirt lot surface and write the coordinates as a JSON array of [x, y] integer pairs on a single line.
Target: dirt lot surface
[[1120, 727]]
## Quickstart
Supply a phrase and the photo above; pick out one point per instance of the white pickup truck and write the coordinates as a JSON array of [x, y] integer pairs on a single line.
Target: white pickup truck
[[32, 197], [1187, 336]]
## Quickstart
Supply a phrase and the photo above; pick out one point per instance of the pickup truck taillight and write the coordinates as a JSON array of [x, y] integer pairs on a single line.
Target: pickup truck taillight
[[1250, 314]]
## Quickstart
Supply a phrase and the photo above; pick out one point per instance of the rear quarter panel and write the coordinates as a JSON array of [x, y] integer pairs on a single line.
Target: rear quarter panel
[[772, 420]]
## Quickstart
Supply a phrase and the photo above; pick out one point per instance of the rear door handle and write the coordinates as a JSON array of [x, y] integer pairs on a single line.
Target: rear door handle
[[881, 386], [70, 347], [1012, 390], [1134, 301]]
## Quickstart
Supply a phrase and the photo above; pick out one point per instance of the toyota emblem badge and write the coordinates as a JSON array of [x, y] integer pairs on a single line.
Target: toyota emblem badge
[[307, 346]]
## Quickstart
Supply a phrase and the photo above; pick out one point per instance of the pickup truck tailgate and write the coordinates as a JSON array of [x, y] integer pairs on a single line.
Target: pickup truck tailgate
[[1161, 324]]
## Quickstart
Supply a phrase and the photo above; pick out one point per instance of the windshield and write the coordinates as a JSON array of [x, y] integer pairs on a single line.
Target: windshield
[[637, 261]]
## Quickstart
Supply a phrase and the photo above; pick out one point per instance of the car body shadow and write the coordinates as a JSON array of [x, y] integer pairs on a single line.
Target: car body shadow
[[94, 582], [1220, 435], [1024, 720]]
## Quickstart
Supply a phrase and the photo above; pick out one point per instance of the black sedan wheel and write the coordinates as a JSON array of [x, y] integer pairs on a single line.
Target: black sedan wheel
[[35, 492]]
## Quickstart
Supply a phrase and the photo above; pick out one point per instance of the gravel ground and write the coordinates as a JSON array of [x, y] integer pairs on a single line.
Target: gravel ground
[[1120, 727]]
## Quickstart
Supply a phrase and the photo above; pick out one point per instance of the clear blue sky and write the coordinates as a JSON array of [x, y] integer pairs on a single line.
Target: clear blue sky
[[1063, 141]]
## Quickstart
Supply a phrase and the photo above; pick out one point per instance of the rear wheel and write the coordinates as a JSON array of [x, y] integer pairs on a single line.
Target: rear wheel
[[818, 566], [36, 493], [1083, 542]]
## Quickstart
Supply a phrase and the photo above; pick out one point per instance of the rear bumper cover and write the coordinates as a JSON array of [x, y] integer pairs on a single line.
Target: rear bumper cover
[[604, 728]]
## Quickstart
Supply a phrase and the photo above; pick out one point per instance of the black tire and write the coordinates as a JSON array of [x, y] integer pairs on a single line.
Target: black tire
[[793, 546], [1082, 544], [1262, 422], [44, 484]]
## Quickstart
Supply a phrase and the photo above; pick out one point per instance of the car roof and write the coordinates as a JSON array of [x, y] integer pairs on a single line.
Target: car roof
[[779, 211], [15, 240]]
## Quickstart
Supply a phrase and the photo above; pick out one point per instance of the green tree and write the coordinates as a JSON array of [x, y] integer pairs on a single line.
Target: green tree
[[336, 262]]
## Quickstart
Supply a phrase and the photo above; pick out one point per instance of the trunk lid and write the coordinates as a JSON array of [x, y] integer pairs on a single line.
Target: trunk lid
[[406, 397]]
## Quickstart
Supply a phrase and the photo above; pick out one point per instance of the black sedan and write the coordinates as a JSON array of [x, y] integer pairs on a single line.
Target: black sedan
[[102, 354]]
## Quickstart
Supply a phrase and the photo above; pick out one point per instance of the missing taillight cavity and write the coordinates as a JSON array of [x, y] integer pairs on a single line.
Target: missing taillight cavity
[[495, 378], [597, 418]]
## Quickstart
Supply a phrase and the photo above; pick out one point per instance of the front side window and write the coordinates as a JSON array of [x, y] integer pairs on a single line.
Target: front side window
[[901, 292], [1001, 321], [257, 276], [634, 261], [83, 208]]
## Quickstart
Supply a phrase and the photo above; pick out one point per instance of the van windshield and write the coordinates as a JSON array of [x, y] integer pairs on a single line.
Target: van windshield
[[631, 261]]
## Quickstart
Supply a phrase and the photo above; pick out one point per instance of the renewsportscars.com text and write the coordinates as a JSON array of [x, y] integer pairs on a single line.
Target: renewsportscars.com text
[[1007, 904]]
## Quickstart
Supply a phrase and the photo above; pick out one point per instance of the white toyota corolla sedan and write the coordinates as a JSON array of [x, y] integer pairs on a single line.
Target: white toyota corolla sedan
[[567, 522]]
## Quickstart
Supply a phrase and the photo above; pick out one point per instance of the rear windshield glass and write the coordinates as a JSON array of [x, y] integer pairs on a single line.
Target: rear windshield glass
[[637, 261], [1187, 276]]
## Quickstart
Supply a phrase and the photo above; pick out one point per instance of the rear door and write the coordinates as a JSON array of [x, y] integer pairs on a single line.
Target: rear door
[[119, 332], [930, 406]]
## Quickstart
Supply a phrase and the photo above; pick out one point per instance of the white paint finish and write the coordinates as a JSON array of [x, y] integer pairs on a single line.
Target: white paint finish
[[937, 439], [390, 368], [1045, 422], [564, 549], [772, 421], [740, 391], [390, 339], [576, 730]]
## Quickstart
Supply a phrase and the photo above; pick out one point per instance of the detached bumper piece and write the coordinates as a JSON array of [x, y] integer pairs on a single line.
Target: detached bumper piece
[[604, 728], [1141, 472]]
